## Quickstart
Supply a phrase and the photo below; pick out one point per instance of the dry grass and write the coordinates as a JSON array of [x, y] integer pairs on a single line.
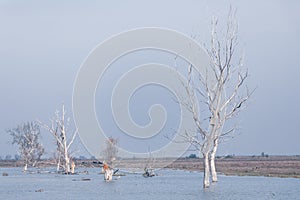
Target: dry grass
[[277, 166]]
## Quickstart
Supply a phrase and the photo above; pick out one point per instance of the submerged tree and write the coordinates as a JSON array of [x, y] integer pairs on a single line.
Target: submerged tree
[[58, 128], [223, 98], [26, 136]]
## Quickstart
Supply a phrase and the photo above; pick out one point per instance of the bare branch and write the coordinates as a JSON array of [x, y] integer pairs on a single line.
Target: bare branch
[[72, 140], [59, 129]]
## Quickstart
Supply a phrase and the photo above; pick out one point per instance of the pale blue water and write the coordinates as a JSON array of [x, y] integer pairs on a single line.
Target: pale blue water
[[169, 184]]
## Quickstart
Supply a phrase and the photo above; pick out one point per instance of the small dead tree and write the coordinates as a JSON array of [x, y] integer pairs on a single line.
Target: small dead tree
[[59, 128], [26, 136], [229, 78], [111, 150]]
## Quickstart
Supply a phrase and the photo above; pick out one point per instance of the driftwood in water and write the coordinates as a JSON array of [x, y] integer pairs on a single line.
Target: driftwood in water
[[148, 173], [83, 179], [4, 174]]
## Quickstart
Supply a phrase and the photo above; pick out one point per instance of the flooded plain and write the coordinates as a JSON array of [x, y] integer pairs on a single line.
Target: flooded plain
[[168, 184]]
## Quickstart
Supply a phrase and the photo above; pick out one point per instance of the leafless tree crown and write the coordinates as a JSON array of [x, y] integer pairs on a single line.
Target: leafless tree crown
[[221, 90], [111, 150], [27, 136], [59, 128]]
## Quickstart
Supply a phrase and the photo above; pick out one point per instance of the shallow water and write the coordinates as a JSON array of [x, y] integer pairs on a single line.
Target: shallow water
[[169, 184]]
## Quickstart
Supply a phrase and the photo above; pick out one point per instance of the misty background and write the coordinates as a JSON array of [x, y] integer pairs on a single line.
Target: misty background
[[43, 44]]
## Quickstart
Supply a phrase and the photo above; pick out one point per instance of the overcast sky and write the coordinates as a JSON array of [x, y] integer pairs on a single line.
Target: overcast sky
[[43, 44]]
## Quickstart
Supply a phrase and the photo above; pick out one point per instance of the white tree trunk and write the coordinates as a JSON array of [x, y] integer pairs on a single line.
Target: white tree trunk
[[212, 162], [57, 166], [64, 141], [59, 130], [206, 171], [108, 174], [67, 160], [25, 167], [67, 166], [228, 77]]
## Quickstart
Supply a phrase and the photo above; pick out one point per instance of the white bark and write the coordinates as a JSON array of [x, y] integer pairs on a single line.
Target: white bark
[[206, 181], [221, 107], [25, 167], [108, 174], [64, 142], [58, 129], [58, 166], [212, 161]]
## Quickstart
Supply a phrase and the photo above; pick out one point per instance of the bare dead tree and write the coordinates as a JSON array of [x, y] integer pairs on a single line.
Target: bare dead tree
[[59, 128], [26, 136], [229, 78], [111, 150]]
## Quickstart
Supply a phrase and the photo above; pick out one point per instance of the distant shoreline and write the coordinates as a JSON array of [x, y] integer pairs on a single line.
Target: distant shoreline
[[269, 166]]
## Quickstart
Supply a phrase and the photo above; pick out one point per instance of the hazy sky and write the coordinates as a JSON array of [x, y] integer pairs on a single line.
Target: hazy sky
[[43, 44]]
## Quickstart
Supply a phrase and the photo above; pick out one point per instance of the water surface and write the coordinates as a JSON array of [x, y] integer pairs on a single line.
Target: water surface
[[169, 184]]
